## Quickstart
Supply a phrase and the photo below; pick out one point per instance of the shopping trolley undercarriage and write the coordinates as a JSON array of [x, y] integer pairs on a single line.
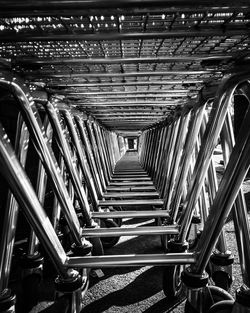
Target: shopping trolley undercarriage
[[71, 173]]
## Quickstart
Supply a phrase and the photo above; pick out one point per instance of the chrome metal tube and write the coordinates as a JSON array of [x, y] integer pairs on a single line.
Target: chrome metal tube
[[193, 130], [80, 153], [12, 209], [93, 143], [100, 151], [34, 124], [70, 164], [131, 260], [25, 195], [239, 211], [40, 190], [212, 189], [56, 212], [216, 120], [178, 150], [103, 152], [233, 177], [89, 154], [118, 231], [169, 159]]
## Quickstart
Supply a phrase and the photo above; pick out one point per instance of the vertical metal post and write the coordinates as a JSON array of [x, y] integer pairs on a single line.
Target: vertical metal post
[[11, 211], [53, 114], [81, 156], [234, 173], [36, 130], [239, 211], [193, 130], [26, 197]]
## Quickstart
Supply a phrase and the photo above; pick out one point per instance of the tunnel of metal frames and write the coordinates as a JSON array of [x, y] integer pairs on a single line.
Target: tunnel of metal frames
[[112, 111]]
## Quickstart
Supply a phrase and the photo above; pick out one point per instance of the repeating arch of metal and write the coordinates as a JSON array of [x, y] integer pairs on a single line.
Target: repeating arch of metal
[[176, 153]]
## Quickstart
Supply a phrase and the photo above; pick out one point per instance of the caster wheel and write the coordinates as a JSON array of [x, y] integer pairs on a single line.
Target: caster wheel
[[225, 306], [109, 242], [210, 297], [222, 279], [172, 284]]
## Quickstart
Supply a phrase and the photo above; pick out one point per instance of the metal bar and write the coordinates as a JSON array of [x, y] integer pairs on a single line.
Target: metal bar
[[124, 202], [96, 154], [98, 93], [166, 162], [147, 183], [130, 214], [12, 210], [106, 36], [230, 185], [56, 212], [193, 130], [240, 214], [25, 195], [127, 104], [136, 83], [81, 154], [40, 189], [136, 231], [217, 117], [128, 188], [53, 114], [178, 150], [89, 153], [34, 124], [102, 153], [128, 118], [112, 74], [159, 95], [131, 260], [124, 60], [119, 111]]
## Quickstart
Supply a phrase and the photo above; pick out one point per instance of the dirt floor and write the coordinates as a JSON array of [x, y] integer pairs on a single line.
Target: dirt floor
[[138, 289]]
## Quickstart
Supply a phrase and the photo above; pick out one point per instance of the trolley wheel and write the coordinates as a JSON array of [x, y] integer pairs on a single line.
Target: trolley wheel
[[172, 284], [30, 290], [222, 279], [213, 295], [225, 306], [109, 242], [97, 246]]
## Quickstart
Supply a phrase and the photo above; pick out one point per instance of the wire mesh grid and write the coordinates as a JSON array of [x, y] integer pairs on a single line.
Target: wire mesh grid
[[124, 56]]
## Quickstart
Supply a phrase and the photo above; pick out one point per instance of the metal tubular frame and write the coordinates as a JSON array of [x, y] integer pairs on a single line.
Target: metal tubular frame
[[80, 154], [229, 187], [28, 201], [40, 190], [90, 156], [54, 117], [239, 211], [12, 210], [34, 124], [96, 154], [194, 126], [208, 144]]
